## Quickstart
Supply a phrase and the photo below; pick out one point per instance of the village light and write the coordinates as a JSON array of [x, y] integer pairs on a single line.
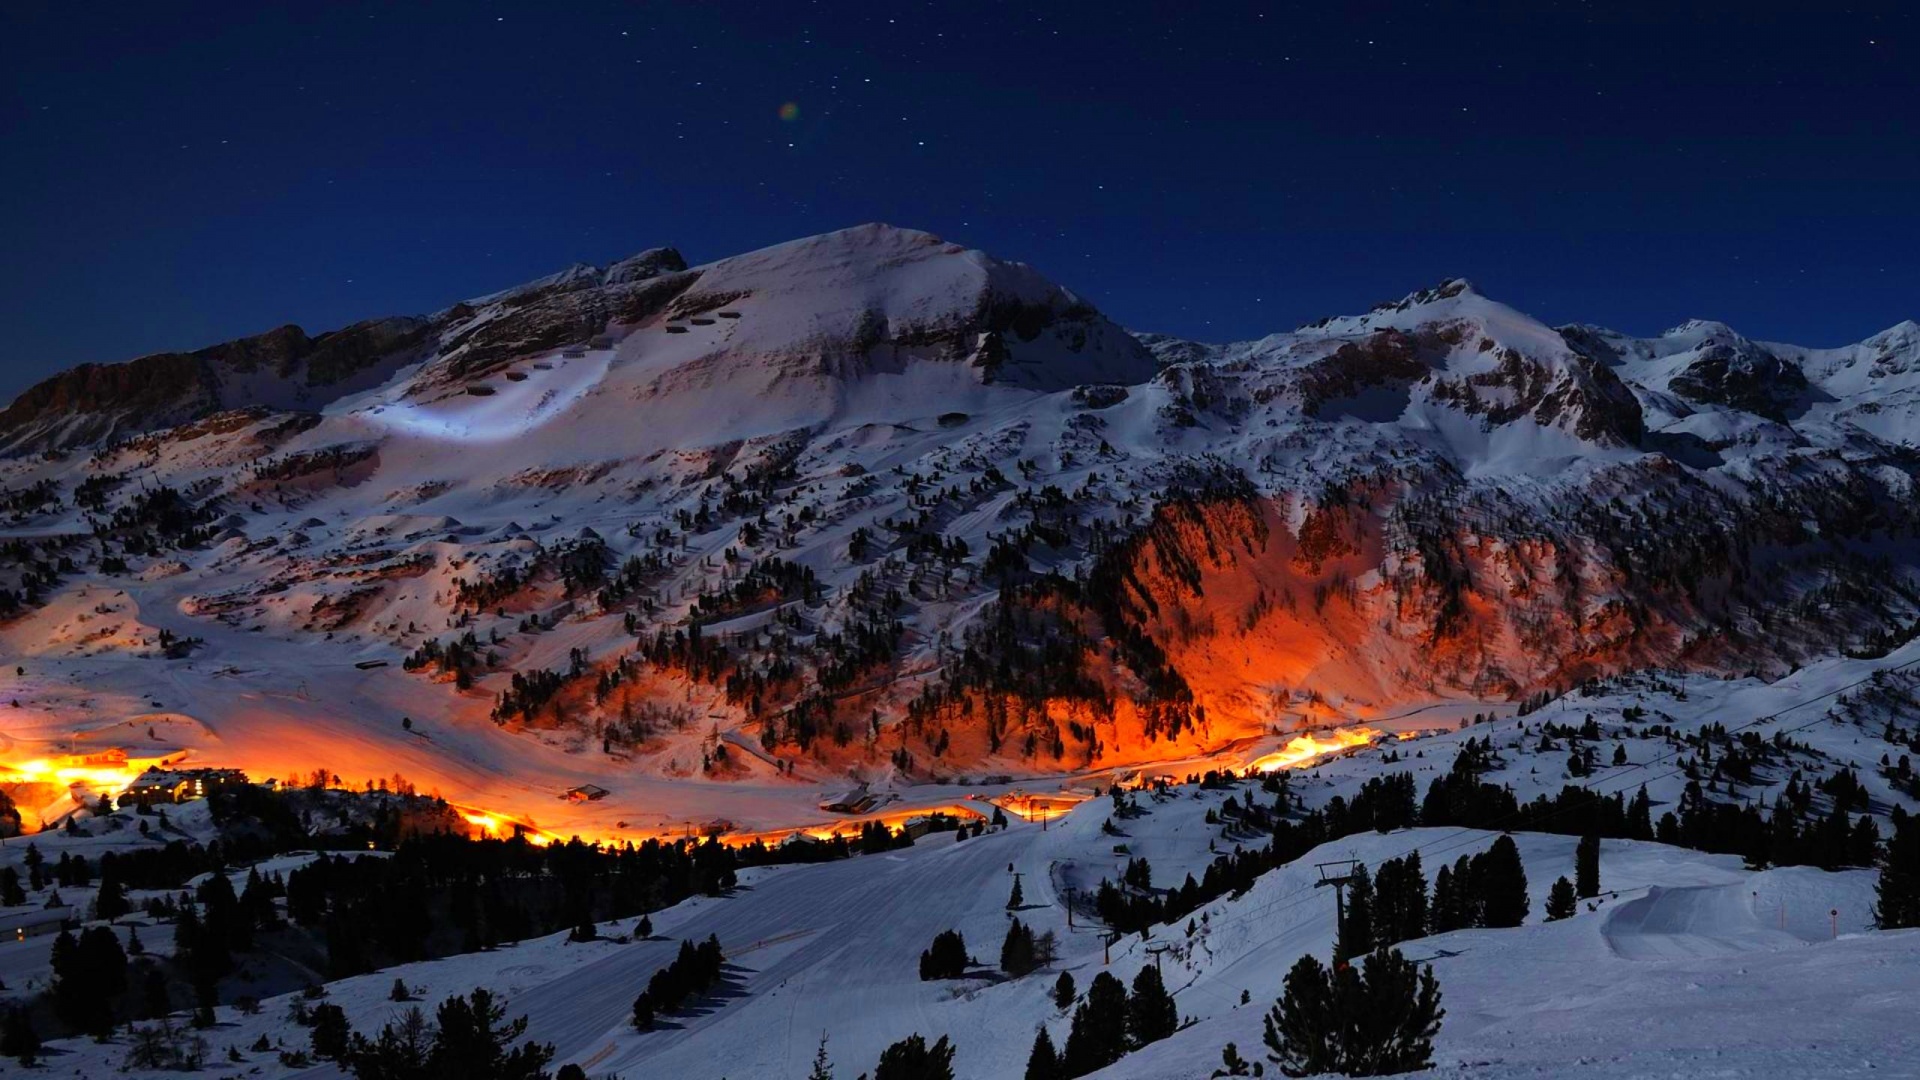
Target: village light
[[1305, 748]]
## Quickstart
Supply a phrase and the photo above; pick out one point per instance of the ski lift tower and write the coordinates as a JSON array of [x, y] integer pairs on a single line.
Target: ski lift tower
[[1339, 874]]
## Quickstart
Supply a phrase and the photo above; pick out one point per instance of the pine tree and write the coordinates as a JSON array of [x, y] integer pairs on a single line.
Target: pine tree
[[332, 1036], [1897, 895], [1064, 991], [1043, 1063], [1374, 1020], [1231, 1063], [912, 1059], [1302, 1028], [1356, 926], [111, 902], [1397, 1016], [1446, 903], [1400, 901], [1015, 899], [822, 1068], [645, 928], [1561, 902], [1500, 885], [157, 1002], [1016, 953], [1151, 1015], [18, 1040], [1586, 867], [401, 1052], [1098, 1036], [474, 1039], [946, 959], [1640, 816]]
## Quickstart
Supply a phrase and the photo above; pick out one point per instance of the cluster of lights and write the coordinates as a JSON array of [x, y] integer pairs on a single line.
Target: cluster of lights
[[500, 827], [102, 777], [1309, 747]]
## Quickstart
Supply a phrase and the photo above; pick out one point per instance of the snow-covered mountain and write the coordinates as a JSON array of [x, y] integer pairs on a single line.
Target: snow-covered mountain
[[874, 505]]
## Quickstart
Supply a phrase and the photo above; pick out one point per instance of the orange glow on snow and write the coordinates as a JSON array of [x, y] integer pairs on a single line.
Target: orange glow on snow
[[102, 774], [501, 827], [1309, 747], [1030, 807]]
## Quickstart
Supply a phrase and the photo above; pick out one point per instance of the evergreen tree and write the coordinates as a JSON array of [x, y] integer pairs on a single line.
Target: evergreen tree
[[1561, 902], [1586, 867], [156, 1001], [1374, 1020], [1098, 1036], [332, 1036], [822, 1068], [111, 902], [645, 928], [1016, 953], [1640, 816], [1015, 899], [89, 974], [1500, 885], [912, 1059], [1302, 1029], [1397, 1015], [18, 1040], [1231, 1063], [1356, 926], [474, 1040], [1446, 903], [1043, 1062], [1400, 901], [1897, 903], [1151, 1015], [1064, 991], [946, 959], [402, 1052]]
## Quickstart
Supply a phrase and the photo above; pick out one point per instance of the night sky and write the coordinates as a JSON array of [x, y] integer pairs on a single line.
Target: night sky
[[179, 174]]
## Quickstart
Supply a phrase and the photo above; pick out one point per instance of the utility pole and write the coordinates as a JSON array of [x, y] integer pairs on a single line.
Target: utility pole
[[1156, 950], [1338, 874]]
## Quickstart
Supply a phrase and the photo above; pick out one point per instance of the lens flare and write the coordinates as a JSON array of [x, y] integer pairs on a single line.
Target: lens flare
[[790, 111]]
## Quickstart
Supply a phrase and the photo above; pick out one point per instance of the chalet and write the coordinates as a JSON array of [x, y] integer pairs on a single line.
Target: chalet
[[857, 801], [35, 921], [180, 785], [585, 793]]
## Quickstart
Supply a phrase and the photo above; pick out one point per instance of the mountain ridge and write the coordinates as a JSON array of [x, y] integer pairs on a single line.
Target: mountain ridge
[[879, 506]]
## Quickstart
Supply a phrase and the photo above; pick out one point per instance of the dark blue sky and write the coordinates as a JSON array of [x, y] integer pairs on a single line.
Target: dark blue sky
[[178, 174]]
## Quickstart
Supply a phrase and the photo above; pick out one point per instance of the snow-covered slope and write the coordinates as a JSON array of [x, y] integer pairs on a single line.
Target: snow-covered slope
[[1685, 964], [874, 506]]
